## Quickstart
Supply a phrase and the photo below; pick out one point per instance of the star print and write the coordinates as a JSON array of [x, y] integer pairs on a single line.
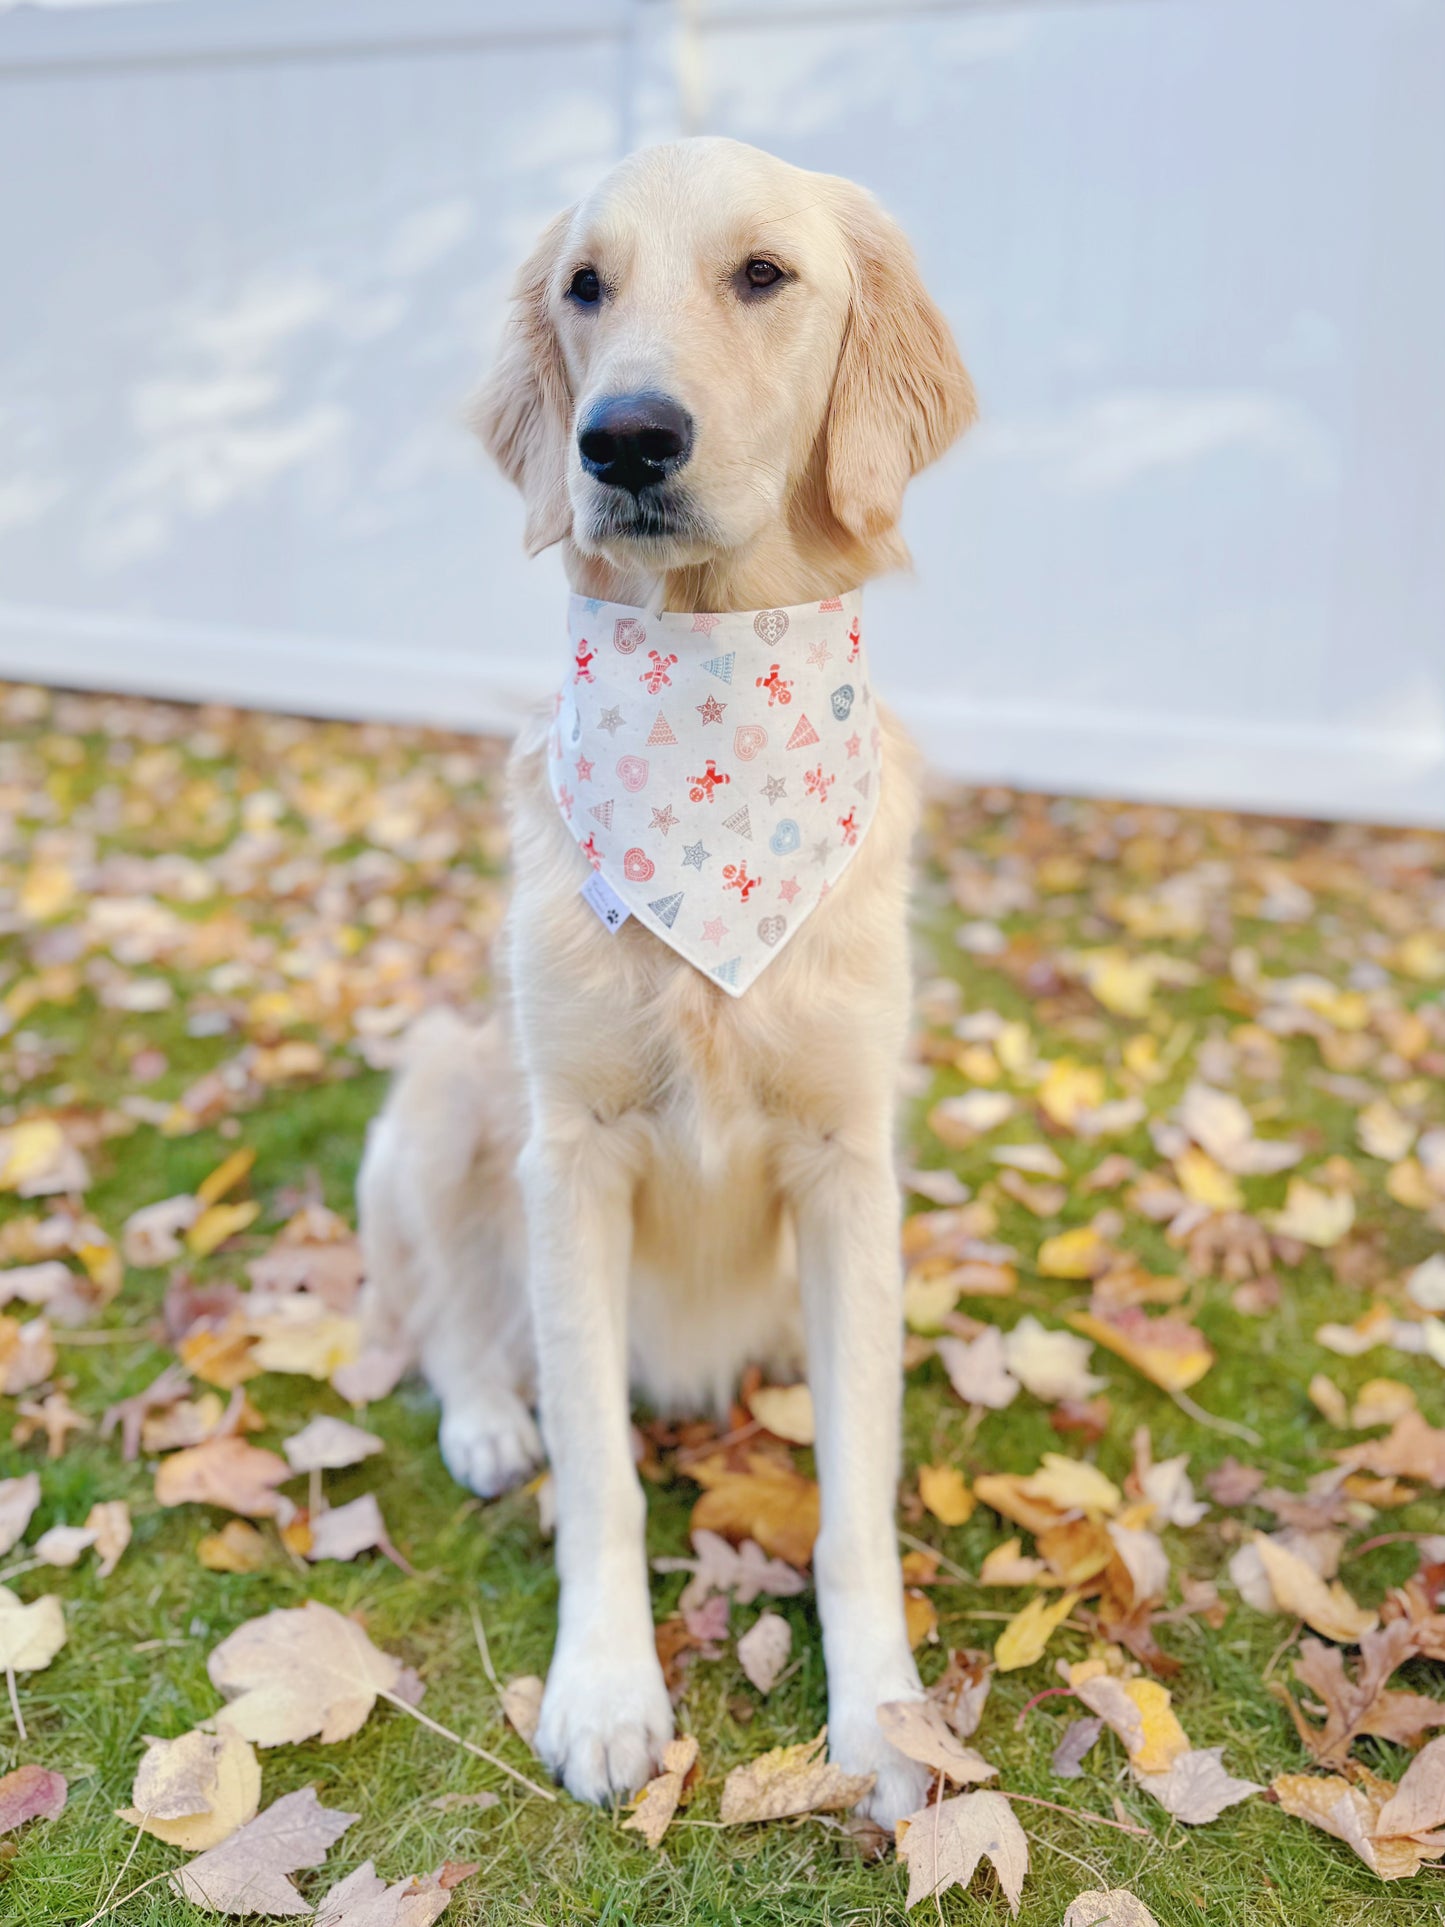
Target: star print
[[711, 711], [819, 653], [714, 930], [694, 855], [704, 625], [775, 787], [821, 851], [789, 888], [853, 744], [591, 604], [664, 819], [584, 770], [610, 720]]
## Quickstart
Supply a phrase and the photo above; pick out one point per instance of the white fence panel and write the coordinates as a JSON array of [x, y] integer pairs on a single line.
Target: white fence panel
[[255, 256]]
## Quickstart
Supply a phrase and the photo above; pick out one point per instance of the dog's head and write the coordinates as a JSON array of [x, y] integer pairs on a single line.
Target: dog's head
[[712, 343]]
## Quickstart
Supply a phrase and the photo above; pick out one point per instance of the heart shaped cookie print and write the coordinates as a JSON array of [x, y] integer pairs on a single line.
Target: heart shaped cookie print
[[632, 772], [785, 838], [771, 625], [637, 866], [771, 928], [628, 634], [749, 740]]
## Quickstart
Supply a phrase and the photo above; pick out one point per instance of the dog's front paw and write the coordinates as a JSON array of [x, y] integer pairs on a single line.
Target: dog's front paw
[[604, 1721], [490, 1442], [856, 1743]]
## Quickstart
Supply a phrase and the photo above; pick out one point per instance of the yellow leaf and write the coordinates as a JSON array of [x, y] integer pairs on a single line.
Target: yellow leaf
[[1328, 1400], [195, 1791], [1201, 1179], [1073, 1485], [919, 1615], [226, 1176], [221, 1221], [1069, 1088], [1169, 1352], [929, 1295], [47, 892], [945, 1492], [29, 1149], [302, 1336], [1080, 1253], [1006, 1566], [1408, 1185], [784, 1410], [769, 1502], [1299, 1590], [1027, 1634], [237, 1547], [1121, 983], [1163, 1740], [1422, 956], [1312, 1215]]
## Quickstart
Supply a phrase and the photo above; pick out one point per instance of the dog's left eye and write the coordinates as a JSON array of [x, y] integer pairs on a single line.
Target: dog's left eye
[[761, 274], [586, 288]]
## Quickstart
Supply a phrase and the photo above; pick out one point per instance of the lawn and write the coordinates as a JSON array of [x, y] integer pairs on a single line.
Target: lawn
[[213, 927]]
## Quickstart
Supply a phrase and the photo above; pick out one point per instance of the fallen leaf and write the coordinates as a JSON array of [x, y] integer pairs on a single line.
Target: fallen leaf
[[944, 1490], [30, 1793], [1049, 1364], [372, 1375], [1006, 1566], [763, 1650], [195, 1791], [784, 1410], [27, 1354], [237, 1547], [1116, 1908], [1350, 1810], [977, 1371], [345, 1531], [151, 1237], [1025, 1637], [301, 1336], [217, 1223], [1312, 1215], [247, 1874], [1197, 1788], [789, 1780], [1411, 1450], [961, 1690], [1381, 1401], [1166, 1486], [769, 1502], [18, 1500], [1080, 1253], [658, 1801], [1073, 1485], [1168, 1351], [130, 1414], [1418, 1802], [957, 1121], [522, 1705], [919, 1730], [299, 1671], [328, 1444], [1080, 1738], [225, 1472], [743, 1571], [1365, 1703], [1223, 1128], [943, 1844], [30, 1636], [1300, 1591]]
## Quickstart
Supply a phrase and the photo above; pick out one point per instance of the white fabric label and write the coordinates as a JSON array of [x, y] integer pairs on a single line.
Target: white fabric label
[[602, 898]]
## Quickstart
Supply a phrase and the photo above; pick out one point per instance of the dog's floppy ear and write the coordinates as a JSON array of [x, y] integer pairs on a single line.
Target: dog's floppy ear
[[523, 412], [901, 394]]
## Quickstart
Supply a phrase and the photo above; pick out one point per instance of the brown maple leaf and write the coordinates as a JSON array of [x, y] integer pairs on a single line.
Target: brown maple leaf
[[1364, 1704]]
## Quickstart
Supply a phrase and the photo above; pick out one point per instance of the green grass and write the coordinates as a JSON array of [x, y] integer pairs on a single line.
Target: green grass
[[560, 1863]]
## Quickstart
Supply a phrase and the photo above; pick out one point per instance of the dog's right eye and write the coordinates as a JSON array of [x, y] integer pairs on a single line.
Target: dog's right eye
[[585, 289]]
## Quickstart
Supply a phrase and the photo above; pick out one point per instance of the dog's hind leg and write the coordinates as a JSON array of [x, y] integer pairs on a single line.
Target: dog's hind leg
[[443, 1235]]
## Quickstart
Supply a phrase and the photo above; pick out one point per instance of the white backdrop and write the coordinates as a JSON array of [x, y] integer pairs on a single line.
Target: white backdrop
[[254, 254]]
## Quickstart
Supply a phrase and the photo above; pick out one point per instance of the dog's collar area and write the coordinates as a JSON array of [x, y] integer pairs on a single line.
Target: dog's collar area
[[718, 771]]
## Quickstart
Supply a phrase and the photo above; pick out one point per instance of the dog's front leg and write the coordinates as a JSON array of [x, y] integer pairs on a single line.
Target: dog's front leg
[[605, 1713], [846, 1209]]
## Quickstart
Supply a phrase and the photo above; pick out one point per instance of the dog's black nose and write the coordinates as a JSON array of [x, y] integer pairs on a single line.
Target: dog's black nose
[[635, 441]]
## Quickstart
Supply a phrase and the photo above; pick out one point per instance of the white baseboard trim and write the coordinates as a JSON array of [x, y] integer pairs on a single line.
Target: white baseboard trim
[[1217, 762]]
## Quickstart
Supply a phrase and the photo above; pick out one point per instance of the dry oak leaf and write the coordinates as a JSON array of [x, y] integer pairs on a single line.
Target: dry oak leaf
[[1413, 1449], [195, 1791], [789, 1780], [769, 1502], [919, 1730], [299, 1671], [18, 1500], [30, 1636], [763, 1650], [328, 1444], [247, 1874], [658, 1801], [30, 1793], [1299, 1590], [944, 1490], [1117, 1908], [1025, 1637], [943, 1844], [363, 1898], [1168, 1351], [784, 1410], [227, 1472], [1366, 1703]]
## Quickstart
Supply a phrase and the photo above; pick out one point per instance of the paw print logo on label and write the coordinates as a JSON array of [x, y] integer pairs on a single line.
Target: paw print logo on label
[[628, 634], [771, 625], [771, 928], [632, 772], [637, 866], [785, 838], [842, 700], [749, 740]]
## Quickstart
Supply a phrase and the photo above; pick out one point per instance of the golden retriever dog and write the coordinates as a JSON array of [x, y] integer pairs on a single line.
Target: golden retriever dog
[[630, 1180]]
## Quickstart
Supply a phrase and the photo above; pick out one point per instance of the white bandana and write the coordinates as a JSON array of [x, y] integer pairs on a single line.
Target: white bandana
[[719, 771]]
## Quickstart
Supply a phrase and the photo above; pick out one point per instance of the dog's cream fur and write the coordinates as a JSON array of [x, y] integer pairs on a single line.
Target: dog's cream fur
[[679, 1183]]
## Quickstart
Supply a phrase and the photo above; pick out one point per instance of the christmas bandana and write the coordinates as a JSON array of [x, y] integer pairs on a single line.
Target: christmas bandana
[[719, 771]]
